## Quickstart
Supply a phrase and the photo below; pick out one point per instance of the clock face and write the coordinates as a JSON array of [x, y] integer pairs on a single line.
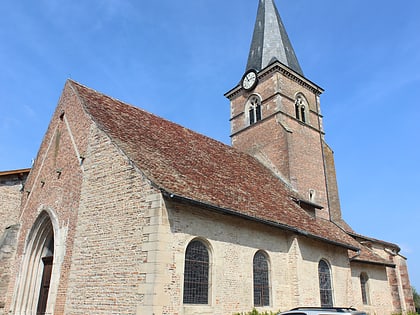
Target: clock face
[[249, 80]]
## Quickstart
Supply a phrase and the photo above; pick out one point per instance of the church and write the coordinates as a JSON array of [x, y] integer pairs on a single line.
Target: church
[[124, 212]]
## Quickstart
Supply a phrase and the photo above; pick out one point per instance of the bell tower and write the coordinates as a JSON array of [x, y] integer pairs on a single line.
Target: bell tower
[[276, 117]]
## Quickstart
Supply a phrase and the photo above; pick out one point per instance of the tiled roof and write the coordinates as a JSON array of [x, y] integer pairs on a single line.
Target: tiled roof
[[363, 238], [366, 255], [187, 164], [270, 41]]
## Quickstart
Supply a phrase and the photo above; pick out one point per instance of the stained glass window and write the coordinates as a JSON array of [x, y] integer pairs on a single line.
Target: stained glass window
[[261, 281], [325, 286], [196, 274]]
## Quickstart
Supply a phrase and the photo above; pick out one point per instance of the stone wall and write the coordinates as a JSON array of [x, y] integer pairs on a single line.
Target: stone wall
[[233, 243], [11, 190], [11, 187], [112, 269], [7, 253], [378, 290]]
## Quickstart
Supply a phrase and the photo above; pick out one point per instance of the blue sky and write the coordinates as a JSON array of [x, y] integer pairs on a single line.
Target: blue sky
[[176, 59]]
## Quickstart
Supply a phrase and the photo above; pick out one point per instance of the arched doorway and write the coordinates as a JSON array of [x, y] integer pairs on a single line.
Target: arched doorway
[[37, 268]]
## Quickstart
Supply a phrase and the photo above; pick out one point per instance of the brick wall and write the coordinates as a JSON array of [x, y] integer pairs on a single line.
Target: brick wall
[[54, 185], [398, 277]]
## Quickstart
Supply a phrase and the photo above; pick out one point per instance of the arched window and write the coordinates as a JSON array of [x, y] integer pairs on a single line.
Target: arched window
[[254, 109], [261, 280], [325, 284], [364, 287], [196, 273], [301, 108]]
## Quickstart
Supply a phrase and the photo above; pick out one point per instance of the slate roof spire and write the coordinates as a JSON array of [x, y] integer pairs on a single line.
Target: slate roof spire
[[270, 41]]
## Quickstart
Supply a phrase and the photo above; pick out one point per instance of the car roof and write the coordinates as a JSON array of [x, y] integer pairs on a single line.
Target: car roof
[[324, 311]]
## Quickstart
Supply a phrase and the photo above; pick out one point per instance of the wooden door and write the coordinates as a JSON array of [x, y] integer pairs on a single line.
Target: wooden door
[[45, 285]]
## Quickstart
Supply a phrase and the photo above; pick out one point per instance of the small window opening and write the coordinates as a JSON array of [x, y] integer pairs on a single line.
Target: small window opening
[[302, 113], [311, 194], [300, 108], [364, 287], [254, 109]]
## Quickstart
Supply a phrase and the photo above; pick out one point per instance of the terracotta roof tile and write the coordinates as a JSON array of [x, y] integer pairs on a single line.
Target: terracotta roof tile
[[196, 167], [366, 255]]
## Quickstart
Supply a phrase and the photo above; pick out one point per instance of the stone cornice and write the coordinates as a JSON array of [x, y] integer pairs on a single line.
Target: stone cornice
[[292, 75], [287, 72]]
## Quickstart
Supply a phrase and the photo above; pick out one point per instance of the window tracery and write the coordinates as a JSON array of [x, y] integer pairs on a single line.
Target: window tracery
[[254, 109], [261, 280], [325, 284], [196, 273], [301, 108]]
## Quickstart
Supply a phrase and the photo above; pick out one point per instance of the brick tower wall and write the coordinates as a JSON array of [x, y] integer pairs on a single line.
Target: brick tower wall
[[280, 141]]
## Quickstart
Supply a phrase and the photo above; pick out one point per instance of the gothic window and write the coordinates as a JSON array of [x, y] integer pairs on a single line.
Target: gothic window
[[254, 109], [261, 280], [301, 108], [364, 287], [325, 284], [196, 273]]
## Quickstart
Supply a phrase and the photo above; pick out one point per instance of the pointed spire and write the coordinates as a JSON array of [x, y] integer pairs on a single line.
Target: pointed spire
[[270, 41]]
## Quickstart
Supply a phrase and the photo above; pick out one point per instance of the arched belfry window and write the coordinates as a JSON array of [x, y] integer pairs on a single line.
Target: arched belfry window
[[261, 280], [325, 284], [364, 287], [196, 273], [34, 294], [301, 108], [254, 109]]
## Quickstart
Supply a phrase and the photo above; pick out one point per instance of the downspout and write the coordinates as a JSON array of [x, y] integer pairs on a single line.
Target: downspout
[[322, 152]]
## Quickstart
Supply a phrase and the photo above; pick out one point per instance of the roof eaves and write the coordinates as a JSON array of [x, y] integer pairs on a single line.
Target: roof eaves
[[355, 235], [363, 261], [255, 219], [15, 172], [300, 201]]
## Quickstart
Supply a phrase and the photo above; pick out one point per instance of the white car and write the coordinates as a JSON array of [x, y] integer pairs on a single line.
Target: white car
[[323, 311]]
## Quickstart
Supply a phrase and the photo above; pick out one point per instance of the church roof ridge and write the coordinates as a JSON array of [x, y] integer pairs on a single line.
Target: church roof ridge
[[196, 167], [270, 42]]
